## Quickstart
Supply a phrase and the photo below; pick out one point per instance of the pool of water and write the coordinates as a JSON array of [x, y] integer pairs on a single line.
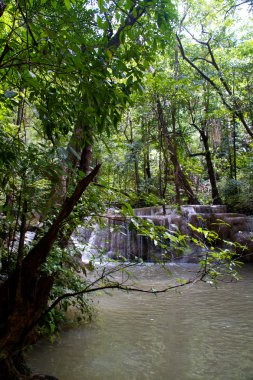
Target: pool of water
[[199, 333]]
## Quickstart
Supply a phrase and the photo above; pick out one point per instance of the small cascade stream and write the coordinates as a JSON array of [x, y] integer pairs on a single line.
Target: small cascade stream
[[115, 240], [249, 222]]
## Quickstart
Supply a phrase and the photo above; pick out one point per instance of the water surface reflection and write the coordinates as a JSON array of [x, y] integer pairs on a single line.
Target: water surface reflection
[[199, 333]]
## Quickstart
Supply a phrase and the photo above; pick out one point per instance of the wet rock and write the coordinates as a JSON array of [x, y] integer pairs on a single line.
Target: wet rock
[[245, 239], [37, 376], [118, 239], [43, 377]]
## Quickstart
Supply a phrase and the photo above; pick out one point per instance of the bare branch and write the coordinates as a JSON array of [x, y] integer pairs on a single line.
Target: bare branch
[[214, 85], [197, 40], [120, 286], [197, 154], [236, 6], [202, 59]]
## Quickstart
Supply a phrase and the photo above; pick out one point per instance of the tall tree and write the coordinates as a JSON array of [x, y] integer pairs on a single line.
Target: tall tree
[[74, 64]]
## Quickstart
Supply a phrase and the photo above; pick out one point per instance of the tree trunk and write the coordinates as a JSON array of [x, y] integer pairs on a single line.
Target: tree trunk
[[210, 169], [135, 158], [24, 295], [176, 165], [192, 199]]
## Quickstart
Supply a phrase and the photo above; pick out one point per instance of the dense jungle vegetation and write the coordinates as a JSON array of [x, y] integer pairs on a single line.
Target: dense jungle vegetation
[[111, 103]]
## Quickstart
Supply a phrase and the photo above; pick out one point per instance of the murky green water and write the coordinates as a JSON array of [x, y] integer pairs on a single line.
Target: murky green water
[[198, 334]]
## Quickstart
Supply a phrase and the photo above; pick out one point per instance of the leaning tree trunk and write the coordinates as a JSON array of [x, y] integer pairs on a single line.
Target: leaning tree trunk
[[24, 295]]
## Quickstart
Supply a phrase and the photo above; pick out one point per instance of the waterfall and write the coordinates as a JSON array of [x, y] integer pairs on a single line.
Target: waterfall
[[249, 223], [89, 242], [90, 248], [115, 240]]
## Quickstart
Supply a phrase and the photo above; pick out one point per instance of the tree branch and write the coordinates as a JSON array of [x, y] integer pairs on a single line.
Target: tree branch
[[40, 251], [133, 16], [119, 286], [214, 85], [27, 25], [232, 108], [238, 5], [197, 40]]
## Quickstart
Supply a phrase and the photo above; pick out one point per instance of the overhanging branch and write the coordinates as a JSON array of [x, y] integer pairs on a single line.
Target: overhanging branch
[[233, 107]]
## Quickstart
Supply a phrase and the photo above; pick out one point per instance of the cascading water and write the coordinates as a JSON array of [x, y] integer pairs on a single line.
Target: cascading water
[[91, 249], [116, 240], [249, 223]]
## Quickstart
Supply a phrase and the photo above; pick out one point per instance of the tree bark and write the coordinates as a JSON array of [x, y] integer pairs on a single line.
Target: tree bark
[[203, 131], [192, 199], [24, 295], [210, 169], [176, 164]]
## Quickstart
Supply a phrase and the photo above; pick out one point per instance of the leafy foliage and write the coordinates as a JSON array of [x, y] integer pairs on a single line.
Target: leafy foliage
[[168, 114]]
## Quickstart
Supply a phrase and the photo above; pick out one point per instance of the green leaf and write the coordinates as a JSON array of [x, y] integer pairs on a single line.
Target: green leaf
[[101, 5], [67, 4], [127, 209], [108, 53], [100, 22]]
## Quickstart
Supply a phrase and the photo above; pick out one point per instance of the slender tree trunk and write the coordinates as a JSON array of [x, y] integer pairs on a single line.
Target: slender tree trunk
[[203, 131], [146, 159], [173, 119], [147, 170], [234, 148], [210, 169], [160, 177], [192, 199], [176, 164], [135, 158]]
